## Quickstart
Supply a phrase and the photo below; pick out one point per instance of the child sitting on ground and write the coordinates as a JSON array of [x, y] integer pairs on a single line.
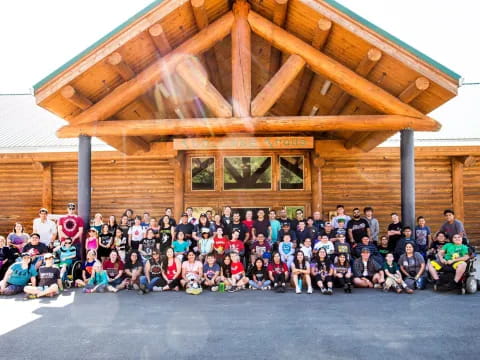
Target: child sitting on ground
[[239, 280], [306, 248], [393, 277], [259, 276], [98, 282], [211, 272]]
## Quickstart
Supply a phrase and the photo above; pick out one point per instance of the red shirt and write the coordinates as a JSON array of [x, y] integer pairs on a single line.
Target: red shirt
[[71, 225], [171, 270], [111, 268], [236, 268], [219, 244], [278, 268], [249, 225], [236, 245]]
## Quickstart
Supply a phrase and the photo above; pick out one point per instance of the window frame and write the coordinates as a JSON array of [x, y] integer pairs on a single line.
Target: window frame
[[250, 156], [280, 172], [214, 173]]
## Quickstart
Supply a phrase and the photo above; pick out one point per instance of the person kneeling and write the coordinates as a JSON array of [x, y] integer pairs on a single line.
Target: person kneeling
[[50, 283], [367, 272], [301, 273]]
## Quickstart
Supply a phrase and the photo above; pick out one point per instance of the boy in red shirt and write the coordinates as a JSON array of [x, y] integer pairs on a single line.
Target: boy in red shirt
[[239, 280], [236, 245], [220, 243]]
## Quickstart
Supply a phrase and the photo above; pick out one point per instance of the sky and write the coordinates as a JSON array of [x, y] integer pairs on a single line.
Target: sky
[[40, 36]]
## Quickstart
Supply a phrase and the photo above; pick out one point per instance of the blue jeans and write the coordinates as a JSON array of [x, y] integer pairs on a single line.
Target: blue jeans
[[153, 282], [256, 286]]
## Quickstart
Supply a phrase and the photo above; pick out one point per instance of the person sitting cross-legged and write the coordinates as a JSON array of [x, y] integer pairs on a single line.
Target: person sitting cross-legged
[[50, 283], [367, 273], [18, 275]]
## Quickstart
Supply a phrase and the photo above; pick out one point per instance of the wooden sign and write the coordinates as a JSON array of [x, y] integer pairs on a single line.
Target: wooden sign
[[241, 143]]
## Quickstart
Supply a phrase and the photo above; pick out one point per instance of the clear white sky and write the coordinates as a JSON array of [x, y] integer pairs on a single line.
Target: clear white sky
[[39, 36]]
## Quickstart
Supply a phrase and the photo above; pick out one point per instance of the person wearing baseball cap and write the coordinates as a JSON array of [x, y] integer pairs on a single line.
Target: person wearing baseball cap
[[36, 249], [50, 283], [46, 228], [18, 275], [367, 273]]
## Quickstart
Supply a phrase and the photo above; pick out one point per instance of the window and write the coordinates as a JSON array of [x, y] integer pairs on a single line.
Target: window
[[203, 173], [247, 173], [291, 172]]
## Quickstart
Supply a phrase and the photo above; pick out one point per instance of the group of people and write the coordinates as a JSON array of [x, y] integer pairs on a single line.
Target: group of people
[[224, 252]]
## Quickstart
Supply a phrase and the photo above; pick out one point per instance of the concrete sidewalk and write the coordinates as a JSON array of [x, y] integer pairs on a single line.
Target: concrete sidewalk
[[249, 324]]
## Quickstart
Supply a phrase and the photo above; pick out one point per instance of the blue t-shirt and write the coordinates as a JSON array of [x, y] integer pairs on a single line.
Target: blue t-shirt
[[66, 252], [210, 271], [421, 235], [275, 225], [180, 247], [286, 247], [20, 276]]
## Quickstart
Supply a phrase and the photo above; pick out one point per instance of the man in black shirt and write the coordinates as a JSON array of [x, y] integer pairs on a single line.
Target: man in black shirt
[[284, 218], [261, 225], [394, 232], [299, 217], [317, 221], [357, 227], [187, 228], [36, 249], [237, 224], [50, 283]]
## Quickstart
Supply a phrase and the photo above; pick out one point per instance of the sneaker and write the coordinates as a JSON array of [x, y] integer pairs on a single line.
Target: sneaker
[[140, 292], [310, 290], [136, 287], [30, 297], [283, 288], [349, 288], [409, 291], [323, 291], [298, 291], [232, 289], [253, 287], [377, 286], [196, 291], [157, 289], [214, 288], [266, 288], [112, 289], [345, 288], [189, 290], [329, 291], [129, 287]]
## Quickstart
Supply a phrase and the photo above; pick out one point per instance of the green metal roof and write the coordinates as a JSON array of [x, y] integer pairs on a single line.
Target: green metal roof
[[333, 3]]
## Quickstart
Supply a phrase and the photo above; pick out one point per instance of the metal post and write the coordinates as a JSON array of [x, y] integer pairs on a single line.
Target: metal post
[[84, 182], [407, 164]]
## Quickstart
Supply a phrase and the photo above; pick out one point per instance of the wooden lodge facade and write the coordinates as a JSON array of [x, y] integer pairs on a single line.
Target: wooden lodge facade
[[265, 104]]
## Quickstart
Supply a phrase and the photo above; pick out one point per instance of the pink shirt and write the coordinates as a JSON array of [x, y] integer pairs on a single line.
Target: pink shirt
[[92, 244]]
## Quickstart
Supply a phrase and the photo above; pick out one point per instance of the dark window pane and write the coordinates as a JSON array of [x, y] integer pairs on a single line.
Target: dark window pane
[[247, 172], [291, 172], [203, 171]]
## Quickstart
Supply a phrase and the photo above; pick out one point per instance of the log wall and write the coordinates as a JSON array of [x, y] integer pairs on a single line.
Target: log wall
[[471, 183]]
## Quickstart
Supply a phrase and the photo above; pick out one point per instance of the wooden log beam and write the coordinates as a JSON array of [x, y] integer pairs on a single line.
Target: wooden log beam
[[324, 65], [406, 96], [279, 17], [468, 161], [74, 97], [258, 125], [201, 18], [319, 39], [47, 194], [178, 165], [192, 72], [241, 60], [128, 91], [160, 39], [272, 91], [458, 189]]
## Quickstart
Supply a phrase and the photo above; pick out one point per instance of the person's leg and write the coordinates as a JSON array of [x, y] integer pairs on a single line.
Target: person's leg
[[51, 290], [266, 284], [433, 272], [329, 281], [12, 290], [295, 283], [360, 283], [308, 280], [459, 271], [143, 281], [31, 290], [253, 285], [155, 282], [175, 283]]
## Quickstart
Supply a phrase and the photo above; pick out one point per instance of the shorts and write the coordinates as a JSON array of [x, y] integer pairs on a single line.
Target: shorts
[[13, 289], [437, 266], [43, 288]]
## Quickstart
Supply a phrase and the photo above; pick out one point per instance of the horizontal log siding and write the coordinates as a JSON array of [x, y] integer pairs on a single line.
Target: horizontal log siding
[[471, 184], [376, 183]]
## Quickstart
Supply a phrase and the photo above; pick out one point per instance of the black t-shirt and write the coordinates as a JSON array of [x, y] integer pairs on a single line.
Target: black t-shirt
[[243, 230], [172, 222], [383, 251], [148, 245], [261, 227], [227, 222], [155, 269], [38, 249], [261, 275], [187, 229], [227, 272], [48, 275], [359, 228], [165, 238], [124, 229], [393, 239], [105, 239]]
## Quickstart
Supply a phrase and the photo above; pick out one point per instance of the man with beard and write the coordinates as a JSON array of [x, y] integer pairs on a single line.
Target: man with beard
[[357, 227]]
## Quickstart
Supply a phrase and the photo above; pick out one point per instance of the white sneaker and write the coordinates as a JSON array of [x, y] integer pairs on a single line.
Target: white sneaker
[[136, 287], [298, 291], [310, 290], [214, 288], [157, 288]]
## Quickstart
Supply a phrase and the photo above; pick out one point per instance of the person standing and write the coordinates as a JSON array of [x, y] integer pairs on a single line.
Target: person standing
[[452, 226], [394, 232], [71, 226], [373, 223], [357, 228], [45, 227]]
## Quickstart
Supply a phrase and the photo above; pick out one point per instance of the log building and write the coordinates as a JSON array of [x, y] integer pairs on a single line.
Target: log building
[[265, 104]]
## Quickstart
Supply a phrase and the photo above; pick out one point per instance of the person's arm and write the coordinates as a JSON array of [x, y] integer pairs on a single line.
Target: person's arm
[[140, 249], [119, 275], [254, 234], [441, 254], [270, 276], [184, 273], [60, 231], [307, 269], [421, 271], [60, 284], [33, 280], [54, 232], [269, 233], [294, 269], [350, 235], [79, 235], [247, 235], [369, 233], [128, 272], [6, 278]]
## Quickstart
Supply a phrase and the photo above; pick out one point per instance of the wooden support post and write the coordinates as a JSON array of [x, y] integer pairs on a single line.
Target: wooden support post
[[272, 91], [458, 189], [319, 39], [316, 179], [74, 97], [279, 17], [258, 125], [47, 197], [241, 60], [192, 72], [406, 96], [178, 165], [160, 39]]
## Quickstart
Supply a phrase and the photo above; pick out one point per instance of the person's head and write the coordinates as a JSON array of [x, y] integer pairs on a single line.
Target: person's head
[[407, 232], [258, 263], [128, 213], [189, 211], [18, 228], [156, 255], [98, 218], [365, 240], [356, 213], [317, 215], [310, 221], [152, 222], [340, 209], [324, 238], [34, 239], [138, 220], [384, 241], [368, 211], [248, 215], [287, 238], [184, 218], [441, 237], [261, 238], [219, 232], [449, 215], [124, 220], [169, 253], [365, 254], [67, 242], [43, 213], [180, 236], [421, 221], [92, 233], [227, 260], [49, 260], [168, 212], [91, 255], [342, 259], [211, 259], [301, 225], [236, 217], [322, 254], [205, 233], [235, 257], [118, 233], [97, 266], [191, 256], [328, 226], [307, 242], [26, 258], [105, 229], [235, 234], [209, 215], [134, 257], [272, 215], [394, 217], [3, 242], [71, 208], [299, 214], [276, 258], [260, 214], [202, 220], [457, 239], [341, 238], [341, 223], [300, 256], [146, 217], [409, 249], [217, 218], [389, 258], [227, 211], [113, 256], [282, 213], [150, 234]]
